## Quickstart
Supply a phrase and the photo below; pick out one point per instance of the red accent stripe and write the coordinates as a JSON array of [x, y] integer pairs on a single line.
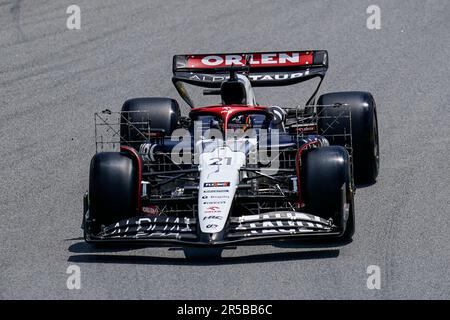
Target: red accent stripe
[[297, 162], [135, 154]]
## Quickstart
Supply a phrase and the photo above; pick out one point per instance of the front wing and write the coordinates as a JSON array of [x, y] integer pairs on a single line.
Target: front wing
[[185, 231]]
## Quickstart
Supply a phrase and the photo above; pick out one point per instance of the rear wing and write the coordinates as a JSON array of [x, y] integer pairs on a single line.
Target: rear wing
[[263, 69]]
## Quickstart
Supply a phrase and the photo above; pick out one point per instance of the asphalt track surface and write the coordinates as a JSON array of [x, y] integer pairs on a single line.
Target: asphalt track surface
[[53, 79]]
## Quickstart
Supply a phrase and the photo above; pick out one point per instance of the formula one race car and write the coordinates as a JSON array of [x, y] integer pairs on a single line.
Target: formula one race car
[[236, 171]]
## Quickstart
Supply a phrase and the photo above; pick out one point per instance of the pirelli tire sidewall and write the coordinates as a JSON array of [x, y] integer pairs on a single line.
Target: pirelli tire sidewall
[[325, 172], [113, 187], [364, 126]]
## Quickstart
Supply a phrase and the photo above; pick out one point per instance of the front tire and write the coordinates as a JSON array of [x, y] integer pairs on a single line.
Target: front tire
[[326, 183], [113, 188]]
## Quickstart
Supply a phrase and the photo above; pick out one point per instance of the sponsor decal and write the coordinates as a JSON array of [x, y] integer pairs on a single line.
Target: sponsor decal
[[272, 77], [301, 129], [255, 60], [218, 211], [215, 191], [214, 202], [148, 227], [216, 184], [150, 210], [212, 218], [252, 77], [213, 210], [291, 227], [293, 222]]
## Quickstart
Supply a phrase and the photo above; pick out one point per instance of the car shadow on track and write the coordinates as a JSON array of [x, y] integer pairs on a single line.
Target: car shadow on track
[[365, 185], [85, 253]]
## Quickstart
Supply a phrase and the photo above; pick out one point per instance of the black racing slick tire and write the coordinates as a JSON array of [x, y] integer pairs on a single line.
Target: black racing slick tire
[[326, 184], [142, 117], [113, 188], [364, 128]]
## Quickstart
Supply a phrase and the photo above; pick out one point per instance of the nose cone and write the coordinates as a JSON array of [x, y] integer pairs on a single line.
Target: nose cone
[[219, 178]]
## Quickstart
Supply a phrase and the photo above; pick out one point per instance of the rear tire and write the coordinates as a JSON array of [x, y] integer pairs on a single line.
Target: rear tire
[[113, 187], [156, 114], [364, 125], [325, 172]]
